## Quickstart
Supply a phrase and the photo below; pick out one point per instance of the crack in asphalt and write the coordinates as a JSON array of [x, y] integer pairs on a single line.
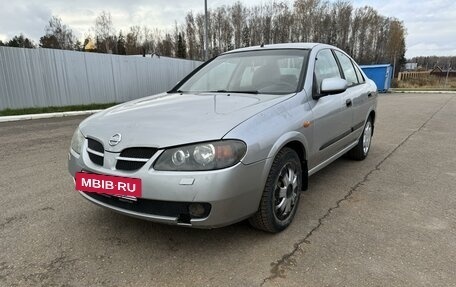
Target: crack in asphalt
[[278, 267], [12, 219], [48, 273]]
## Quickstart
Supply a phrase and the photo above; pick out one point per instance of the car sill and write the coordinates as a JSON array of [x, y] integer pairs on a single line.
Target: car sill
[[333, 158]]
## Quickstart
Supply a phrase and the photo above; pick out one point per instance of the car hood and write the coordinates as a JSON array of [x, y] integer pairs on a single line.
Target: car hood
[[174, 119]]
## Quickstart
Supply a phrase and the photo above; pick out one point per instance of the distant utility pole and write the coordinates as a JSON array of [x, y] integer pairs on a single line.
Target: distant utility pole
[[394, 66], [448, 71], [205, 30]]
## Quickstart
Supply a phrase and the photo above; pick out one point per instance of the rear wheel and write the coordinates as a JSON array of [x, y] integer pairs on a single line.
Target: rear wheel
[[361, 150], [281, 193]]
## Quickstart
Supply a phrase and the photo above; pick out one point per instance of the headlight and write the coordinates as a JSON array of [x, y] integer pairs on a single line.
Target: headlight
[[76, 141], [202, 156]]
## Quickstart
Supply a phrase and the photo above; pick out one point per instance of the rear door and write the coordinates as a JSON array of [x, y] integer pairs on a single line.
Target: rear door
[[357, 92]]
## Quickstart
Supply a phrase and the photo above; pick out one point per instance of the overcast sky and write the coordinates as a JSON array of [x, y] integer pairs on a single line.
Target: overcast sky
[[431, 24]]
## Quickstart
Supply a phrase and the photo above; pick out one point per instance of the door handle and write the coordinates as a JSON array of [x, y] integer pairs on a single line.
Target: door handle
[[348, 102], [369, 95]]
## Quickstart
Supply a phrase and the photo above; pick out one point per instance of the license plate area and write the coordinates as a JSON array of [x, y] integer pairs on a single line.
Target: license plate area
[[125, 187]]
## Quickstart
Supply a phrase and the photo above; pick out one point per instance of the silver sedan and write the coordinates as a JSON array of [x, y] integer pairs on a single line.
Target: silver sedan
[[236, 139]]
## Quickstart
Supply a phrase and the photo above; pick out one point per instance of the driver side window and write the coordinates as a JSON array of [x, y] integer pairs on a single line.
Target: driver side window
[[325, 67]]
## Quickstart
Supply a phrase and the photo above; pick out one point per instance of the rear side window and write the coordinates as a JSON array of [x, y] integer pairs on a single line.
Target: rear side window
[[325, 67], [347, 68], [360, 76]]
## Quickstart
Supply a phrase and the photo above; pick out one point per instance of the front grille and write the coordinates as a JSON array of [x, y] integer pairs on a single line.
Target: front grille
[[131, 159], [129, 165], [149, 206], [96, 151], [95, 145], [138, 152]]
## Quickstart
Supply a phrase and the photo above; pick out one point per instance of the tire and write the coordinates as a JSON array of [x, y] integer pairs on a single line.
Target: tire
[[280, 198], [361, 150]]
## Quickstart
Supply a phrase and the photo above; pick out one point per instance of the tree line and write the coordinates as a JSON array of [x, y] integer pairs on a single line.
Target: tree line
[[430, 62], [19, 41], [365, 34]]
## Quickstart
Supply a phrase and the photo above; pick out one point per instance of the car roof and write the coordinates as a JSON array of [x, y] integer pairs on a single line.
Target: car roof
[[281, 46]]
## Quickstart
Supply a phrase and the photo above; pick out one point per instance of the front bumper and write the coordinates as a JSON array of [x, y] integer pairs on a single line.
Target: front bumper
[[233, 193]]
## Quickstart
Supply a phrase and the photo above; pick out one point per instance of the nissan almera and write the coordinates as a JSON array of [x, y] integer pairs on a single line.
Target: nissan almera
[[236, 139]]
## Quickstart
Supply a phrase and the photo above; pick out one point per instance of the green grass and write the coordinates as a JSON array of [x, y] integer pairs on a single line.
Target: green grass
[[27, 111]]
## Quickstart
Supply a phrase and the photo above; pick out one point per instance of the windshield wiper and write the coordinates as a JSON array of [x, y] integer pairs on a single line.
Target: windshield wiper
[[236, 92]]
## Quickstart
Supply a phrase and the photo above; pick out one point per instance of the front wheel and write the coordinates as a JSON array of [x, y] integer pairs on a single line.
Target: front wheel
[[360, 151], [281, 194]]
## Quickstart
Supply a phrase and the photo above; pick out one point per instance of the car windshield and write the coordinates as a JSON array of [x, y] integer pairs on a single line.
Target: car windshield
[[257, 72]]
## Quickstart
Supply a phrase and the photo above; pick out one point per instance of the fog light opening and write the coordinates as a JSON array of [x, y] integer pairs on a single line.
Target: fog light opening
[[183, 218], [196, 210]]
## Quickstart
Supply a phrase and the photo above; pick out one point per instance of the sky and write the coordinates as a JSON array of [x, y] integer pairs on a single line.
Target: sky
[[430, 24]]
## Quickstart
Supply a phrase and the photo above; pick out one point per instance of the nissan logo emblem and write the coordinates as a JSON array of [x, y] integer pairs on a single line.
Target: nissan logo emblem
[[115, 139]]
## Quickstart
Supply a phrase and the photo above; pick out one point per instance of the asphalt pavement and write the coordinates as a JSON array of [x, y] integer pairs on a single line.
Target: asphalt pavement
[[389, 220]]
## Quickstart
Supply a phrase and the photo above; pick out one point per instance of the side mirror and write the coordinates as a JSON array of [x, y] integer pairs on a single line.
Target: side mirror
[[332, 86]]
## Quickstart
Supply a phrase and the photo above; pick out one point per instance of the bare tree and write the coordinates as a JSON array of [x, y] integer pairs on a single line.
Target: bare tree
[[190, 31], [238, 20], [282, 23], [305, 14], [58, 35], [148, 41], [255, 26], [104, 32], [342, 13], [396, 43], [132, 44]]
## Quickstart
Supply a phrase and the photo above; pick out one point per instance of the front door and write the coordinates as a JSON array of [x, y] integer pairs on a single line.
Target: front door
[[333, 114]]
